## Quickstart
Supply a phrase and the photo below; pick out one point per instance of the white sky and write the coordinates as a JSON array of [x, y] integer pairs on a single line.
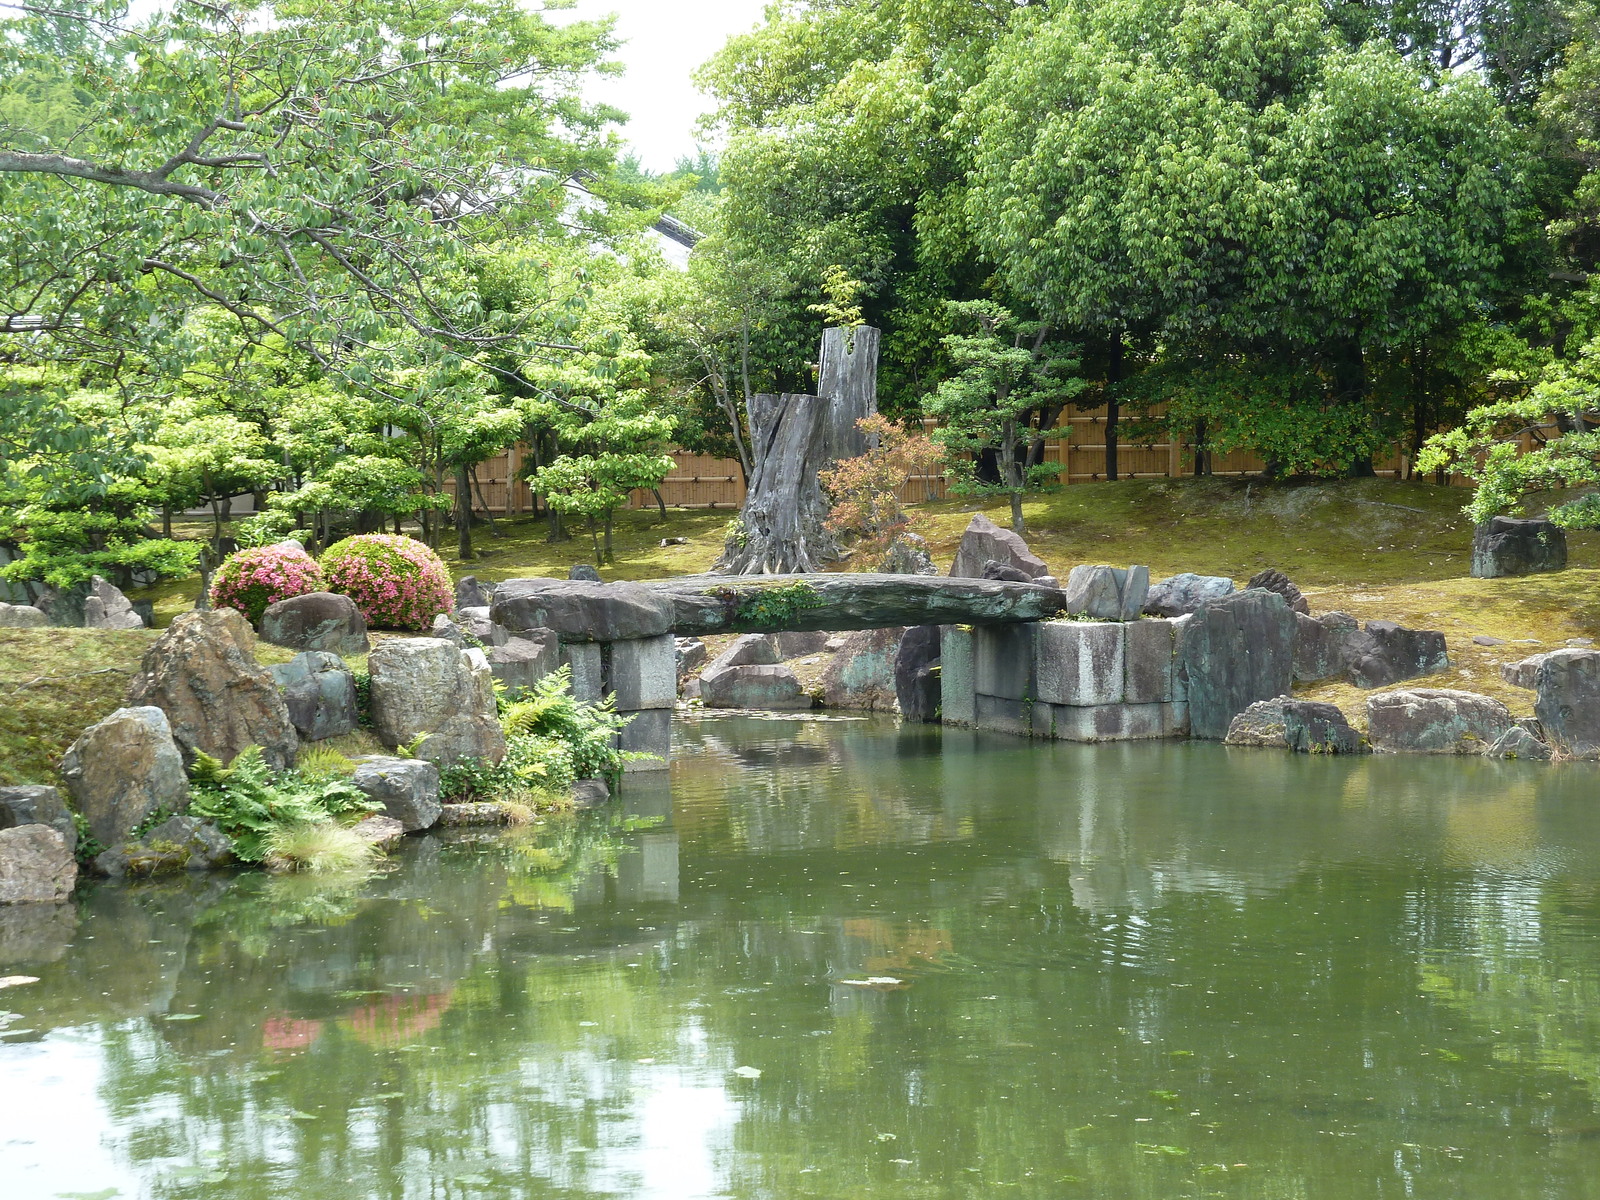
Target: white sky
[[664, 41]]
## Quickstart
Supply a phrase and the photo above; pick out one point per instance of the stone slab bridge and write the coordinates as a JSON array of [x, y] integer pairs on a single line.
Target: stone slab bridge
[[1009, 663]]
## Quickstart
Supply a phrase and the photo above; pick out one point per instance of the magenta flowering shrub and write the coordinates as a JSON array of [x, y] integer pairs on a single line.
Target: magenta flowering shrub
[[396, 582], [252, 579]]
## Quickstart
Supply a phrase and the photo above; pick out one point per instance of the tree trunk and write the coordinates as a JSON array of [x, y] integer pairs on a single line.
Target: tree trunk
[[1113, 408], [792, 438], [609, 523], [463, 513], [661, 504]]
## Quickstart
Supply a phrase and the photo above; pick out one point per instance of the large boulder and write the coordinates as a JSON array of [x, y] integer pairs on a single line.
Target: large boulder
[[408, 789], [36, 866], [984, 541], [520, 662], [746, 650], [203, 674], [1568, 708], [1273, 580], [691, 654], [1518, 742], [426, 686], [316, 621], [908, 555], [1321, 645], [1524, 673], [1517, 546], [1313, 727], [105, 607], [1385, 653], [1435, 721], [1233, 652], [122, 769], [472, 593], [584, 572], [36, 804], [180, 843], [1178, 595], [1104, 593], [475, 622], [22, 616], [1261, 724], [766, 685], [64, 606], [916, 673], [320, 693], [582, 611], [861, 674], [797, 645]]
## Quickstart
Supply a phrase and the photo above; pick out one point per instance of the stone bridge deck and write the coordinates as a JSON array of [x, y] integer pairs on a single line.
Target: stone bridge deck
[[694, 605]]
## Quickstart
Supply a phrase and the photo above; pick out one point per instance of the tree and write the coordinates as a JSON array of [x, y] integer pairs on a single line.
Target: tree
[[1232, 180], [1009, 375], [865, 490]]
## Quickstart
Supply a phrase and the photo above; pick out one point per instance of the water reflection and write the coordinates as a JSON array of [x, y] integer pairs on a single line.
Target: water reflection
[[832, 959]]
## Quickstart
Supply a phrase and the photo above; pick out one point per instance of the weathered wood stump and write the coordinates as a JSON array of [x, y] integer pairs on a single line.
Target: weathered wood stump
[[793, 437]]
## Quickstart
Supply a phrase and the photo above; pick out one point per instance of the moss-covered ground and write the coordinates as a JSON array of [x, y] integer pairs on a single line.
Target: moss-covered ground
[[1371, 548]]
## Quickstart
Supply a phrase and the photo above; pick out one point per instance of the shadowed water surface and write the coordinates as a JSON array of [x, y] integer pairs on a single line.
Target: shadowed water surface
[[839, 959]]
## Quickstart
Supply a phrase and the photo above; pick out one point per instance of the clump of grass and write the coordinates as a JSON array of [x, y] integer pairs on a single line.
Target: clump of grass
[[321, 847], [517, 813]]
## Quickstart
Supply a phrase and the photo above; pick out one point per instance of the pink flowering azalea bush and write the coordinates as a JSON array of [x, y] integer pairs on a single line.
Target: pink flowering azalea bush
[[396, 582], [252, 579]]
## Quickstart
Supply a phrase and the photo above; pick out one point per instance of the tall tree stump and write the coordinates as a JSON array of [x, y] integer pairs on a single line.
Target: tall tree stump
[[793, 437]]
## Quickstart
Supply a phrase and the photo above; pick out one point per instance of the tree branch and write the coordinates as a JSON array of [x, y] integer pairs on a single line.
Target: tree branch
[[80, 168]]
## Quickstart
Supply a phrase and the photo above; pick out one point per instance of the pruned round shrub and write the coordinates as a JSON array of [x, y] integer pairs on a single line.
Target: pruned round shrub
[[252, 579], [396, 582]]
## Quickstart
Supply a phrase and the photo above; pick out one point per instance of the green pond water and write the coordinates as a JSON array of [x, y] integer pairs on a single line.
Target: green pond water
[[840, 959]]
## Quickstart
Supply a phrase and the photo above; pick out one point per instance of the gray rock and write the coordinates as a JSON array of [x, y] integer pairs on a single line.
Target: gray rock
[[999, 570], [862, 674], [691, 653], [1518, 742], [799, 644], [590, 793], [446, 630], [916, 674], [476, 626], [522, 661], [122, 769], [383, 832], [1579, 643], [1320, 645], [834, 644], [203, 674], [1523, 673], [470, 593], [586, 661], [649, 733], [1313, 727], [1079, 663], [1435, 721], [1273, 580], [36, 866], [316, 621], [958, 685], [1259, 725], [105, 607], [1484, 639], [64, 606], [908, 555], [584, 573], [746, 650], [644, 673], [22, 616], [36, 804], [754, 686], [1233, 652], [582, 611], [702, 604], [1107, 593], [1517, 546], [180, 843], [423, 685], [1150, 651], [320, 693], [984, 541], [1003, 659], [408, 789], [1568, 708], [1384, 653], [1179, 595]]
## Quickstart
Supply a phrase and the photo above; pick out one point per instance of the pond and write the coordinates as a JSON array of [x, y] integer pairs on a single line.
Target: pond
[[844, 959]]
